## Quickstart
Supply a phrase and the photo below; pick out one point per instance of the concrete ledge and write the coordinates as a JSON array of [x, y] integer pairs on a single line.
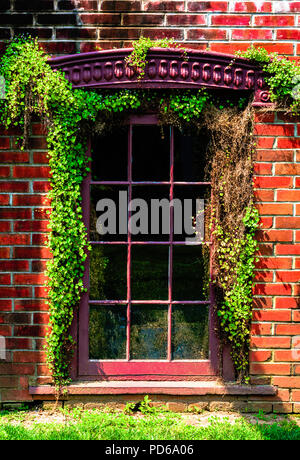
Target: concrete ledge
[[155, 387]]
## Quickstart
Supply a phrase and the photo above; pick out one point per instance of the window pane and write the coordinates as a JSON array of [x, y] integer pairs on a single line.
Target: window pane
[[110, 157], [109, 222], [150, 153], [149, 331], [190, 332], [191, 216], [108, 272], [107, 332], [189, 157], [152, 216], [190, 273], [149, 272]]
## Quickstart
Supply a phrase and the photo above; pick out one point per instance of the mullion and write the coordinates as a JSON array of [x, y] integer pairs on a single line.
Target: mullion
[[169, 351], [129, 244]]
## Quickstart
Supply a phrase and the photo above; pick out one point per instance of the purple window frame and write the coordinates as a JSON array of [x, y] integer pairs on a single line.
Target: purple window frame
[[142, 369]]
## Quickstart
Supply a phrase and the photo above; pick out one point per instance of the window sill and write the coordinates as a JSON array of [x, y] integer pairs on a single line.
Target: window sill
[[155, 387]]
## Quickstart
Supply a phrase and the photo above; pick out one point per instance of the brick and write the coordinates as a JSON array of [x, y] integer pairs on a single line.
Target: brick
[[29, 357], [264, 195], [15, 292], [4, 253], [266, 222], [31, 171], [274, 21], [282, 408], [230, 20], [272, 289], [156, 33], [275, 209], [288, 34], [101, 19], [4, 279], [288, 276], [30, 305], [5, 5], [288, 329], [260, 329], [274, 155], [290, 143], [186, 20], [4, 200], [273, 182], [69, 4], [4, 171], [287, 382], [32, 253], [41, 186], [287, 302], [30, 200], [122, 5], [30, 331], [33, 5], [259, 356], [5, 330], [53, 48], [273, 263], [14, 157], [288, 222], [288, 195], [262, 302], [15, 186], [270, 342], [265, 142], [169, 5], [287, 249], [296, 316], [15, 213], [251, 34], [31, 226], [206, 34], [56, 19], [253, 7], [29, 278], [5, 227], [284, 355], [143, 19], [111, 33], [271, 315], [15, 239], [275, 235], [270, 369], [287, 169], [16, 318], [274, 130], [8, 19], [5, 305], [40, 318], [76, 34]]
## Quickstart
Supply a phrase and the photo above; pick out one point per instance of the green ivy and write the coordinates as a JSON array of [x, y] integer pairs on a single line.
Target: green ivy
[[33, 88], [283, 76]]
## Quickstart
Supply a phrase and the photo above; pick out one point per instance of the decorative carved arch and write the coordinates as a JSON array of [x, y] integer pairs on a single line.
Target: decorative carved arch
[[165, 68]]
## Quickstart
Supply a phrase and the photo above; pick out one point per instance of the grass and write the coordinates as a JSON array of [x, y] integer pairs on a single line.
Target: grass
[[101, 425]]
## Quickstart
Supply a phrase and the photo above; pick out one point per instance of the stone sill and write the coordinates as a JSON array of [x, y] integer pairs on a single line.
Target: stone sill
[[155, 387]]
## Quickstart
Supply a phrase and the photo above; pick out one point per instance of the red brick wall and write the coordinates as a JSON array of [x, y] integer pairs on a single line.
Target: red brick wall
[[275, 354], [221, 26], [70, 26]]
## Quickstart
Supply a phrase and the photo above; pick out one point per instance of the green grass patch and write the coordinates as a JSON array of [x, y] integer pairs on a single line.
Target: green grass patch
[[97, 425]]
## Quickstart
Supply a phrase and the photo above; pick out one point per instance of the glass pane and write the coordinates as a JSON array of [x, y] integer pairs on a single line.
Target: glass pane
[[150, 153], [149, 332], [151, 213], [149, 272], [107, 332], [190, 273], [191, 216], [108, 213], [108, 272], [190, 332], [189, 156], [110, 156]]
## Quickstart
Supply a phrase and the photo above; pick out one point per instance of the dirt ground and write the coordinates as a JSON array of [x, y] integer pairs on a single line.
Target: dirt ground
[[29, 418]]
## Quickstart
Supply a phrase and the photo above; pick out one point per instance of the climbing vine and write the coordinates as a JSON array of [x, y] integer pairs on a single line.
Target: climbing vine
[[33, 88]]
